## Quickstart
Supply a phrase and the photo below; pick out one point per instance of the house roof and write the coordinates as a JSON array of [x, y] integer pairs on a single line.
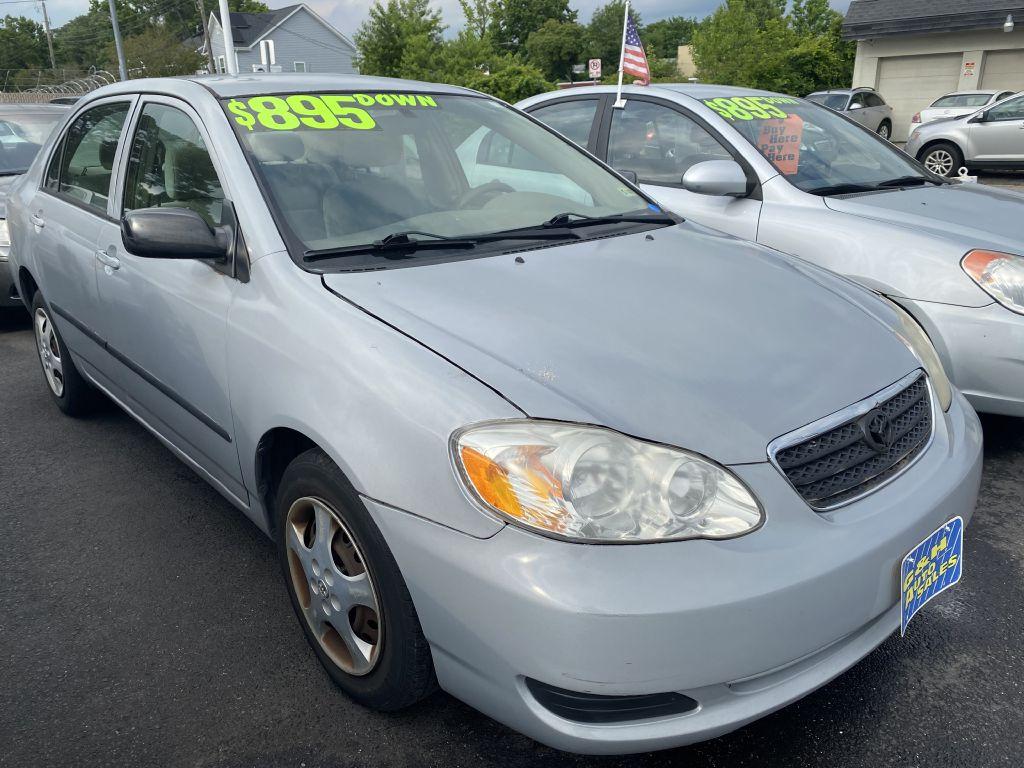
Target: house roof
[[883, 18], [247, 28]]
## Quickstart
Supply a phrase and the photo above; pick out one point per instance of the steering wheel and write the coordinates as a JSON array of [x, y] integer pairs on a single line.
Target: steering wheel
[[477, 196]]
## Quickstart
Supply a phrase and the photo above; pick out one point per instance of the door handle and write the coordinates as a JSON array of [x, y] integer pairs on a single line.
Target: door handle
[[37, 220], [107, 260]]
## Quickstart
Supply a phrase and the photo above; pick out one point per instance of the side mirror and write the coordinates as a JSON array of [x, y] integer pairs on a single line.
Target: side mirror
[[174, 233], [855, 105], [629, 176], [717, 177], [979, 117]]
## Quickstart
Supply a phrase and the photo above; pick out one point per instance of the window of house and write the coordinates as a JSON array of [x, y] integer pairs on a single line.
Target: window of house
[[300, 66], [222, 65], [87, 161]]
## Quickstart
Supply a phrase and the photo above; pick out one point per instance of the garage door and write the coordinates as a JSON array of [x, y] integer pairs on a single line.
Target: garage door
[[911, 83], [1004, 69]]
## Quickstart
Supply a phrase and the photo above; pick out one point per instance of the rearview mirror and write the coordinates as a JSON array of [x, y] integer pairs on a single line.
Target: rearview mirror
[[629, 176], [716, 177], [173, 233]]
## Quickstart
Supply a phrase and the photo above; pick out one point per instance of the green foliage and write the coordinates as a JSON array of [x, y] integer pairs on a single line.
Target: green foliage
[[514, 20], [512, 83], [22, 44], [555, 47], [604, 34], [663, 38], [390, 28], [157, 52], [479, 15], [744, 42]]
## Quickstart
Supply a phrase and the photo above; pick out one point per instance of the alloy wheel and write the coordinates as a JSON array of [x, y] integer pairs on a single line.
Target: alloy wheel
[[883, 131], [333, 586], [939, 161], [49, 352]]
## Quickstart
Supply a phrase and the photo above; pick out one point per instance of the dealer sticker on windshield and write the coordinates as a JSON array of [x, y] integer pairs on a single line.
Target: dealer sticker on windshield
[[326, 111], [930, 568]]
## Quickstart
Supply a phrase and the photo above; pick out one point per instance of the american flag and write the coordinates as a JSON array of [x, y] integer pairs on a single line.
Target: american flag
[[634, 60]]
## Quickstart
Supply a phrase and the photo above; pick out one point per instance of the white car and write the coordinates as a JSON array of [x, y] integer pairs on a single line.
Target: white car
[[958, 103]]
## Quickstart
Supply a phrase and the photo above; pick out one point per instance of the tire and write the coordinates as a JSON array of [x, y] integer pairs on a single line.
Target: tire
[[391, 668], [942, 158], [72, 393], [885, 130]]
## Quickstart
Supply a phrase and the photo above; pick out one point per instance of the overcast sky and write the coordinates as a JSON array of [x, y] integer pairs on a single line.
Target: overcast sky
[[347, 15]]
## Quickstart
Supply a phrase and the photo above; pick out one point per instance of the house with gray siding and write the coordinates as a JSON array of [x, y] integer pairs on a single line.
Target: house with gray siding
[[290, 39]]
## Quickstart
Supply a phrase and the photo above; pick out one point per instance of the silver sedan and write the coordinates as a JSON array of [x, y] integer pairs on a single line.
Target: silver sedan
[[803, 179]]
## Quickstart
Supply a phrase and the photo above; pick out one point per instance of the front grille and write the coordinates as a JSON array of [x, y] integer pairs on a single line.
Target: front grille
[[863, 452]]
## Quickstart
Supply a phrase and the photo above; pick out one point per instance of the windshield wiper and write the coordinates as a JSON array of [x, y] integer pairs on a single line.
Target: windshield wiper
[[907, 181], [571, 220], [842, 189], [398, 245]]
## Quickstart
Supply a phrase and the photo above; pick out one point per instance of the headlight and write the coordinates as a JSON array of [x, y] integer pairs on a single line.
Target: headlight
[[1000, 275], [5, 234], [917, 340], [592, 484]]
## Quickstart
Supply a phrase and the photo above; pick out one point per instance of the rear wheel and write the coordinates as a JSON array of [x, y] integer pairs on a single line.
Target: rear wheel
[[69, 390], [346, 589], [885, 130], [943, 158]]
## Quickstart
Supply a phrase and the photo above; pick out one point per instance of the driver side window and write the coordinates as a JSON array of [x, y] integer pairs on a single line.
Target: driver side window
[[1009, 110], [170, 167]]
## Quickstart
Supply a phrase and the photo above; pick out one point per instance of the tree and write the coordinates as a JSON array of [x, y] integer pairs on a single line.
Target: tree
[[382, 39], [663, 38], [813, 17], [512, 83], [555, 47], [514, 20], [157, 52], [22, 44], [726, 46], [479, 15], [764, 11], [604, 33]]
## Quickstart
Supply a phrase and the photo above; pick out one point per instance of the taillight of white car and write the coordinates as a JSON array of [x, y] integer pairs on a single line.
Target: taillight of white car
[[916, 118]]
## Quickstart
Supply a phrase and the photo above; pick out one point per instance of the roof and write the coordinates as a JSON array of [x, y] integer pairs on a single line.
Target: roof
[[883, 18], [247, 29]]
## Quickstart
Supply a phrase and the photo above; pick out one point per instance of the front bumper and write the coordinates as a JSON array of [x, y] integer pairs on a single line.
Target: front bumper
[[982, 349], [743, 626]]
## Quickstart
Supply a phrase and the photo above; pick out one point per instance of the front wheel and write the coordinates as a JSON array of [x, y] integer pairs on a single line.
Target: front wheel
[[346, 589], [943, 159], [885, 130]]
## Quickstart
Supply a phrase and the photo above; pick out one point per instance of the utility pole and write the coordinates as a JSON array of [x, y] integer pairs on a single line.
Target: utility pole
[[206, 36], [49, 35], [117, 42], [229, 39]]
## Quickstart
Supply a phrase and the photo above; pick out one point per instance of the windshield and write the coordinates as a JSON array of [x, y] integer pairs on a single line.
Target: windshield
[[350, 169], [836, 101], [816, 149], [963, 100], [21, 136]]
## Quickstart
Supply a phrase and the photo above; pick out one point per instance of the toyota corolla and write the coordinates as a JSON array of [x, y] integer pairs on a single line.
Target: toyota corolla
[[617, 480]]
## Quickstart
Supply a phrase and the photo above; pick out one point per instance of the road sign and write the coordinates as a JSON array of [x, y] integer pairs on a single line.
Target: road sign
[[594, 66]]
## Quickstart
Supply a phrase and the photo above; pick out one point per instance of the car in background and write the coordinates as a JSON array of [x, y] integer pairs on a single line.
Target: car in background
[[862, 105], [991, 138], [958, 103], [456, 399], [795, 176], [23, 129]]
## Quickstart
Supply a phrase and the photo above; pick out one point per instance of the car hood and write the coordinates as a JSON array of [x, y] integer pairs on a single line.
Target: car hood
[[689, 338], [973, 215]]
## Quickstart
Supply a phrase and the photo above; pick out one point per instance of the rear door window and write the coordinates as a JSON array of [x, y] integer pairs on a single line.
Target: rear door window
[[88, 158], [573, 119]]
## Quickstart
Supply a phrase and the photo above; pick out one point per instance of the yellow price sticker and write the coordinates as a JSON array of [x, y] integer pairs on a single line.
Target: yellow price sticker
[[750, 107], [320, 112]]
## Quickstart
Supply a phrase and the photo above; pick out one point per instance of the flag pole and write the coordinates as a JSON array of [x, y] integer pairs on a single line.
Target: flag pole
[[619, 102]]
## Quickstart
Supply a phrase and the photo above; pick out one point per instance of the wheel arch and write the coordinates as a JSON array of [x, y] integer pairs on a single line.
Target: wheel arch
[[929, 144], [275, 450], [27, 286]]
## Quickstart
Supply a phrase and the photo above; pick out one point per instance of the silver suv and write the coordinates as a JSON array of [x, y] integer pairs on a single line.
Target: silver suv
[[991, 137], [862, 105]]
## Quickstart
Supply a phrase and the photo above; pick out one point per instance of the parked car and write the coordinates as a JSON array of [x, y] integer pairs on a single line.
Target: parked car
[[619, 482], [792, 175], [862, 105], [988, 138], [23, 129], [958, 103]]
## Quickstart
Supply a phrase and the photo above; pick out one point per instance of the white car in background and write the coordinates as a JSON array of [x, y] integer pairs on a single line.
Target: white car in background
[[958, 103]]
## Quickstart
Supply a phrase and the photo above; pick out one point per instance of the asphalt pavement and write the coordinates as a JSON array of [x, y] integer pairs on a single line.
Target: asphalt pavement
[[143, 621]]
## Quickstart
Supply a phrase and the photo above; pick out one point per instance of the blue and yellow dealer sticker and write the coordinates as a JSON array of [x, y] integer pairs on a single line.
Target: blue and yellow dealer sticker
[[932, 567]]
